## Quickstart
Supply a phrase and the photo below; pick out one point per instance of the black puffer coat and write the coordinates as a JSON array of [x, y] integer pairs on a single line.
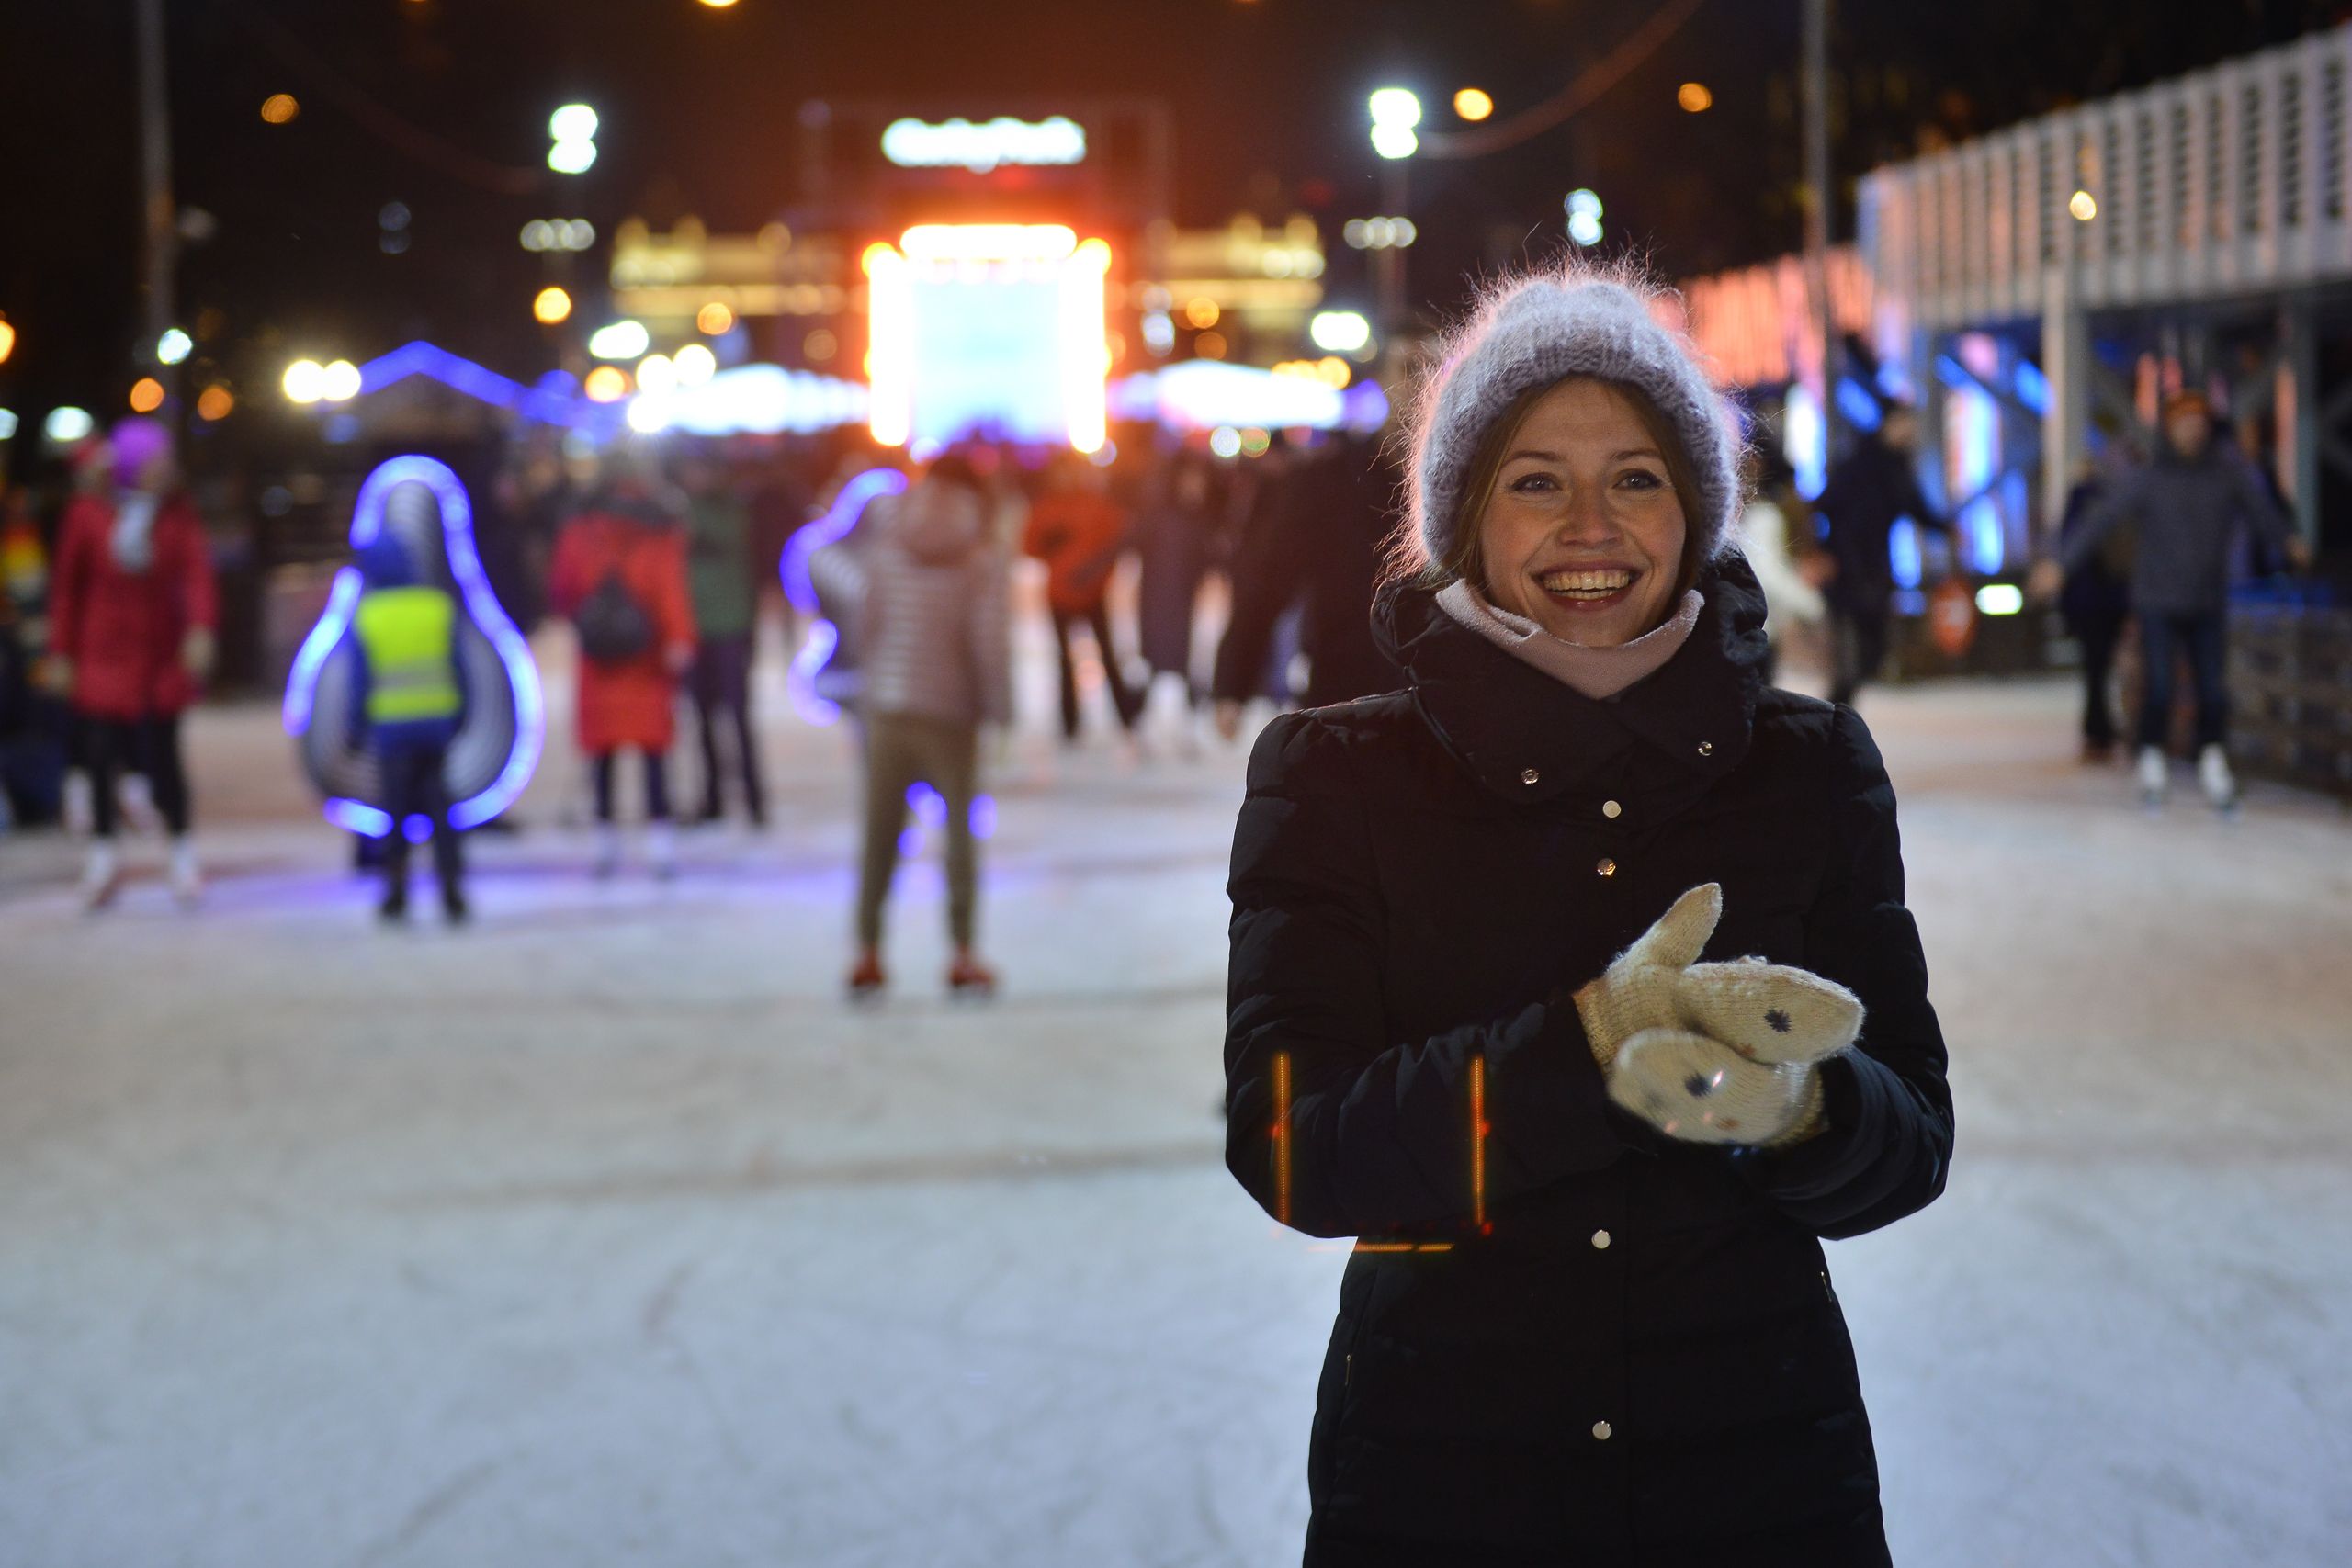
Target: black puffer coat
[[1573, 1341]]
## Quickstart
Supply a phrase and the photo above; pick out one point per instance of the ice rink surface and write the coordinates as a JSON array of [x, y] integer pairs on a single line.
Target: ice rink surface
[[602, 1233]]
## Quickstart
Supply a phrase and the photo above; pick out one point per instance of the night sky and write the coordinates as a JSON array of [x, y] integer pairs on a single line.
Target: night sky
[[437, 103]]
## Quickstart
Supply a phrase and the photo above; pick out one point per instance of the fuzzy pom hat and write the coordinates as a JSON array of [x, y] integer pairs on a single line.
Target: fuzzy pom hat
[[134, 443], [1535, 329]]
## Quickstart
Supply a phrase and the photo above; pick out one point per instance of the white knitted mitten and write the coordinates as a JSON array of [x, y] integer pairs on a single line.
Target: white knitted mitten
[[1702, 1092], [1638, 989], [1768, 1012]]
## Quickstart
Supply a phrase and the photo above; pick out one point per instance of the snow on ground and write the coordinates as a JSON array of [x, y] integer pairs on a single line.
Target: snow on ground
[[602, 1233]]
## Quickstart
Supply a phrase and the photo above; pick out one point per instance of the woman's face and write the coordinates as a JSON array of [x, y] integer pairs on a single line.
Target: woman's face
[[1583, 533]]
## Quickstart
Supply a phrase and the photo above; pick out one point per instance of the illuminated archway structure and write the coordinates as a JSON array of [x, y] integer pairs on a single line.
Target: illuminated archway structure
[[496, 752], [998, 325]]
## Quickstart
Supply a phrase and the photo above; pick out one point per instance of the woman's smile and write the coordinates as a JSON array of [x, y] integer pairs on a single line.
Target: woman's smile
[[1584, 589]]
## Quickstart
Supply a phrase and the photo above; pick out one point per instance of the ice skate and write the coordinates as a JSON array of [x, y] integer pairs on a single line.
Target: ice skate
[[662, 848], [2220, 785], [2155, 774], [607, 859], [968, 977], [101, 878], [79, 816], [186, 876], [866, 978]]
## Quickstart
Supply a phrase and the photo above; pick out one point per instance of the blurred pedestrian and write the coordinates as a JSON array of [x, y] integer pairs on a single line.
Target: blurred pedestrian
[[620, 576], [408, 702], [2096, 604], [930, 591], [2190, 505], [781, 506], [1875, 485], [1079, 532], [1587, 1319], [31, 754], [132, 613], [1177, 542], [718, 573], [1790, 599], [1315, 546]]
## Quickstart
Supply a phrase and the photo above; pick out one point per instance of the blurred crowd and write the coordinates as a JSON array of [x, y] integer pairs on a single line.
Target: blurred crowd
[[1180, 585]]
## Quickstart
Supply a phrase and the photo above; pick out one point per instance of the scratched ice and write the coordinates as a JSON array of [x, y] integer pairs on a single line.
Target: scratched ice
[[603, 1234]]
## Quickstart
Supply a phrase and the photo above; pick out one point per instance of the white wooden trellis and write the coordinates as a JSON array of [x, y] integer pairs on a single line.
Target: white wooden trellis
[[2230, 181]]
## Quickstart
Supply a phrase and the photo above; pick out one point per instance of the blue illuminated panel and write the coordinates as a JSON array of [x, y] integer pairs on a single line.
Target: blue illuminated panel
[[988, 354]]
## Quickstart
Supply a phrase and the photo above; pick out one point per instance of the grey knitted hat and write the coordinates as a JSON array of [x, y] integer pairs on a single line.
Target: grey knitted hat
[[1536, 330]]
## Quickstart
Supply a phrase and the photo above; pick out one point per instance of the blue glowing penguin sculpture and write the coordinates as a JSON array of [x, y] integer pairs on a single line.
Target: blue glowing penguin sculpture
[[419, 505]]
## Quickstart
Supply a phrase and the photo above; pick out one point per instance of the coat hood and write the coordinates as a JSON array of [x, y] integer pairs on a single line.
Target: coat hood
[[384, 563], [938, 524], [1527, 737]]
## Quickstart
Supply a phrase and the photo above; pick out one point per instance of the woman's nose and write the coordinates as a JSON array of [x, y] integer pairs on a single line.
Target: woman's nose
[[1585, 517]]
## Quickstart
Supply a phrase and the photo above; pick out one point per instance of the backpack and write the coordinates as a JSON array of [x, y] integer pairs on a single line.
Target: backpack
[[613, 627]]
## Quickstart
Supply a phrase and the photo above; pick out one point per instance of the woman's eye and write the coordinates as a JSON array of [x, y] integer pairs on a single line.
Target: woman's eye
[[1641, 479], [1533, 482]]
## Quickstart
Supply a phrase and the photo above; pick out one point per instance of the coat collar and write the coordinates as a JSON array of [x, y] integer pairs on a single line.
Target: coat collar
[[1526, 737]]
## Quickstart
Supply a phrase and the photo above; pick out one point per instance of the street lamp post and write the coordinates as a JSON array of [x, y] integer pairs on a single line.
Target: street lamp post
[[155, 172], [1394, 113]]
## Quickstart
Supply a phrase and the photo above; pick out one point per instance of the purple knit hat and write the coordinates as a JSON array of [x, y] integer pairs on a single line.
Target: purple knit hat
[[135, 442]]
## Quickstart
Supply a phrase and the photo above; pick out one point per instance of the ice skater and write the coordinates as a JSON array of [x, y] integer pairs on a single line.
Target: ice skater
[[2189, 505], [621, 575], [929, 595], [133, 610], [408, 702], [1872, 489], [1588, 1318]]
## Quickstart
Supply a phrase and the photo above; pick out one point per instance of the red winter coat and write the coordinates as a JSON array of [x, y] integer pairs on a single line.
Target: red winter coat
[[627, 703], [124, 631], [1078, 535]]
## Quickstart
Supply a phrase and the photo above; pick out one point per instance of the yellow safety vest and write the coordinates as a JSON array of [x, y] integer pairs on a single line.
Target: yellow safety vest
[[407, 636]]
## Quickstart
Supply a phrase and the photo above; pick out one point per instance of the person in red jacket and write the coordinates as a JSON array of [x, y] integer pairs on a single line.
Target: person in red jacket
[[1079, 531], [619, 574], [131, 617]]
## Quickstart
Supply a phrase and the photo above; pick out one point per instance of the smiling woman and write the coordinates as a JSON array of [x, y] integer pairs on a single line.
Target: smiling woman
[[1473, 1022], [1580, 491]]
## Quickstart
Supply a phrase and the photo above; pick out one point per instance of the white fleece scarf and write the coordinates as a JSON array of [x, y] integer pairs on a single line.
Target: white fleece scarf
[[1598, 672], [134, 539]]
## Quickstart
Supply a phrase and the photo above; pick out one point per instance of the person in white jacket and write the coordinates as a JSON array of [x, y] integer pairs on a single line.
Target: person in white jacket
[[1790, 600], [930, 595]]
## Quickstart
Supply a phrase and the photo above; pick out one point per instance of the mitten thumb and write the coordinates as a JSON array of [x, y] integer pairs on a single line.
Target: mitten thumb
[[1681, 933]]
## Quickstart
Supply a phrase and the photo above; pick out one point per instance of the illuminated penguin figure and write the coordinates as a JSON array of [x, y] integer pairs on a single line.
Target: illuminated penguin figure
[[417, 504]]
